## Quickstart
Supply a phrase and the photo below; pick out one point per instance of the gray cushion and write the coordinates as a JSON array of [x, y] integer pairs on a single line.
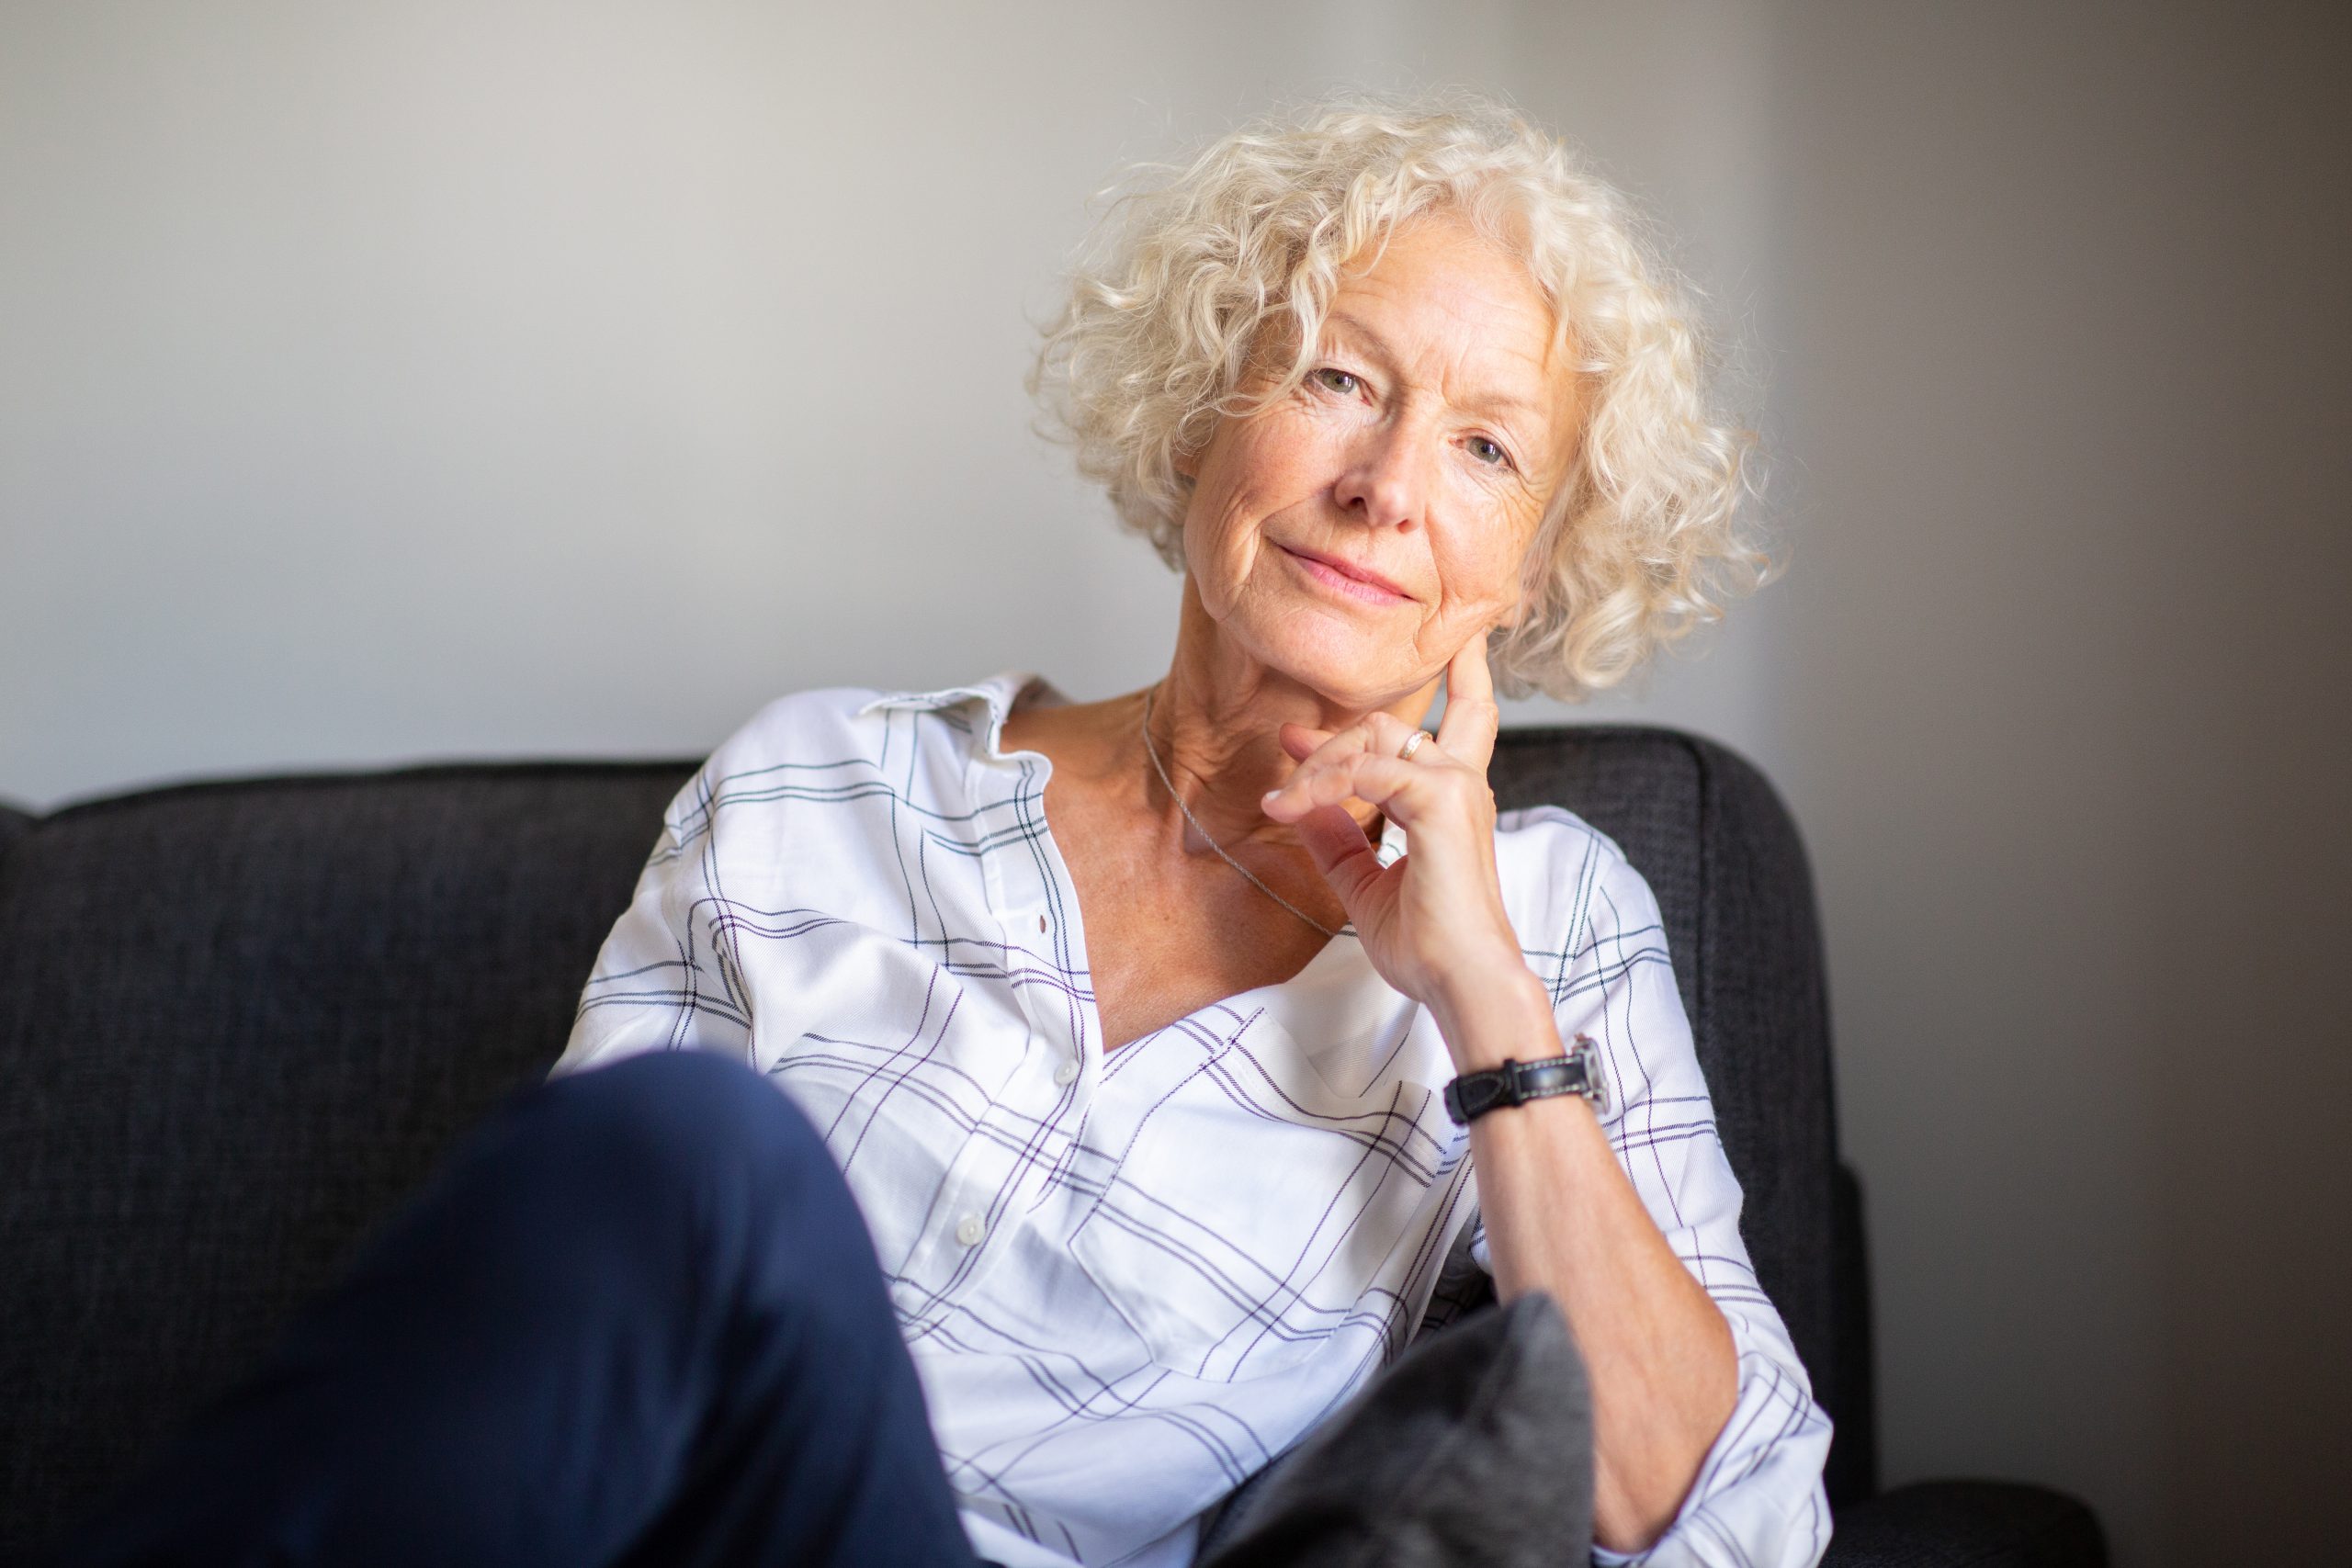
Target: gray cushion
[[1473, 1451]]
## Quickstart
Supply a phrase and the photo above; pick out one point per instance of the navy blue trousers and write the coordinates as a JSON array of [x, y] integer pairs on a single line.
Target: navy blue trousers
[[636, 1319]]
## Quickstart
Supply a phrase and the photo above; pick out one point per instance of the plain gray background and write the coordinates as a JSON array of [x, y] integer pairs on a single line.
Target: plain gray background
[[467, 379]]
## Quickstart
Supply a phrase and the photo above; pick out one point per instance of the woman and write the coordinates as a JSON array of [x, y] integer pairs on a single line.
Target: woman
[[1131, 1023]]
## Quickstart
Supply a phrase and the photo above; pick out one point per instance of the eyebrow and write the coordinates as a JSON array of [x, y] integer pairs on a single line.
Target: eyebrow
[[1495, 403]]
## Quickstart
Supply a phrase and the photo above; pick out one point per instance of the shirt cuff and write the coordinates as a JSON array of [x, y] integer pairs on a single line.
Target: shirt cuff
[[1754, 1508]]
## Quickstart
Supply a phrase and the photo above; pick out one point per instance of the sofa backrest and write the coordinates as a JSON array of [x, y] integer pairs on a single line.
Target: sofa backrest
[[239, 1021]]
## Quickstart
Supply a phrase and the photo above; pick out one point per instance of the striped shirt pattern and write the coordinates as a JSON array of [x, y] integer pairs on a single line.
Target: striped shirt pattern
[[1130, 1281]]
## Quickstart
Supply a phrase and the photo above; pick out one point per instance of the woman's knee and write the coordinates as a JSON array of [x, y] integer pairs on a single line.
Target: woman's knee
[[666, 1119], [687, 1149]]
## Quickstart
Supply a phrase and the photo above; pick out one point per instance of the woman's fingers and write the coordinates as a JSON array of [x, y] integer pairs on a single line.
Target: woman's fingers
[[1383, 781], [1301, 740], [1467, 731], [1319, 748], [1466, 734], [1377, 734], [1342, 852]]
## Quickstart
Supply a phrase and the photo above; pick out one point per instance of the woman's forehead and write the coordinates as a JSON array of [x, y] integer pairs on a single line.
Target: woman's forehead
[[1441, 301]]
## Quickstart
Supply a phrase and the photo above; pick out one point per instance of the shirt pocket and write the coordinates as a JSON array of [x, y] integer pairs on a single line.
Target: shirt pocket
[[1256, 1213]]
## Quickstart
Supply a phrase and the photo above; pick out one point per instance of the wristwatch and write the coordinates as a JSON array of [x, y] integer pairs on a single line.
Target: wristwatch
[[1472, 1095]]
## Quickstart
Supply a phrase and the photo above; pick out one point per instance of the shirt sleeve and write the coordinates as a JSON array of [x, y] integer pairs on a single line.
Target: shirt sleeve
[[667, 978], [1757, 1498]]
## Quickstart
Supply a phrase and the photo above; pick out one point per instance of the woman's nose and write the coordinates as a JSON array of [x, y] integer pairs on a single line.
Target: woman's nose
[[1385, 477]]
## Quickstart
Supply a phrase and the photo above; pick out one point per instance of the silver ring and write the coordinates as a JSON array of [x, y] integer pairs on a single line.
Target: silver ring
[[1412, 746]]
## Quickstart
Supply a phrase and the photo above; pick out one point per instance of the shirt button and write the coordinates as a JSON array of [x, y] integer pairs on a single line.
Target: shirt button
[[969, 1230], [1066, 1074]]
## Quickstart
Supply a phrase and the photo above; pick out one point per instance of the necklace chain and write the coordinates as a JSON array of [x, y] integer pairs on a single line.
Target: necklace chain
[[1153, 752]]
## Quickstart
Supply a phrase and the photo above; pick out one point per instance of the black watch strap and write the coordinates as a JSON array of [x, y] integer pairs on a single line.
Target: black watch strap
[[1472, 1095]]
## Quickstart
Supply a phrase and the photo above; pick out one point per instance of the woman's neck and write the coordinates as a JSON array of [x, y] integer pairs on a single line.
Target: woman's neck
[[1220, 753]]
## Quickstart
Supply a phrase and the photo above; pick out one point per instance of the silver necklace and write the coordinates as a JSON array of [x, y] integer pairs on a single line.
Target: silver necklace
[[1153, 752]]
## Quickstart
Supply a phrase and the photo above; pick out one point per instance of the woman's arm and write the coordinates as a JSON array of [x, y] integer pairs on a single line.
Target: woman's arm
[[1561, 1216], [1705, 1425]]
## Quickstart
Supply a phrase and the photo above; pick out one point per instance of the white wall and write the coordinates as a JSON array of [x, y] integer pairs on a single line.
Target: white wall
[[440, 379], [389, 381]]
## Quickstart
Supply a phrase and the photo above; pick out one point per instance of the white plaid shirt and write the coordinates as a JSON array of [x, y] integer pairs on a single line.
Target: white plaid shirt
[[1129, 1282]]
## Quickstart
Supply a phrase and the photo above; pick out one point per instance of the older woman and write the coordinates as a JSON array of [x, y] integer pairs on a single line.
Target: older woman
[[1174, 1046]]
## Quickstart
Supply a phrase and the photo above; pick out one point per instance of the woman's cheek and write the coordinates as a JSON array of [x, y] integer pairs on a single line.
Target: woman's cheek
[[1476, 583], [1221, 547]]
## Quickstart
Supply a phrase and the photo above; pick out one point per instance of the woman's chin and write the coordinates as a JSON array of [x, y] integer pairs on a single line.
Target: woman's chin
[[1344, 671]]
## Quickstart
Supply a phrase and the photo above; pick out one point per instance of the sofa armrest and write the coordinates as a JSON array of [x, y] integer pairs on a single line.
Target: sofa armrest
[[1967, 1523]]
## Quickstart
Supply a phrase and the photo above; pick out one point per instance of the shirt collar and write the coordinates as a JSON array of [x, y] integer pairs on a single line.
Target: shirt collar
[[997, 691], [1001, 691]]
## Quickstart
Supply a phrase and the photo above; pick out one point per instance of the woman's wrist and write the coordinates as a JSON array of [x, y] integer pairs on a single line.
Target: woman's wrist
[[1499, 1014]]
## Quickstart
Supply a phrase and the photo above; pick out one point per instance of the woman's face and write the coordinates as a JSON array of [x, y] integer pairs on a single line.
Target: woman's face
[[1420, 452]]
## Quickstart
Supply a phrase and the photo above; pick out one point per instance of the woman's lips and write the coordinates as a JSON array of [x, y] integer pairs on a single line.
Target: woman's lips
[[1342, 579]]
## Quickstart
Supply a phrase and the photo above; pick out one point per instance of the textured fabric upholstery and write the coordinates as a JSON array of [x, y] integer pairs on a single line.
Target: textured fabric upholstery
[[238, 1023], [14, 825], [1967, 1523], [241, 1021], [1853, 1449]]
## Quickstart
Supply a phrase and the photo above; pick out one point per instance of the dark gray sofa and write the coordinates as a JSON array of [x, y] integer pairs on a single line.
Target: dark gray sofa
[[240, 1020]]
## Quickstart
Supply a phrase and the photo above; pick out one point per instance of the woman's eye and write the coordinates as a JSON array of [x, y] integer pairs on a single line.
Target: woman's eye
[[1488, 452], [1340, 381]]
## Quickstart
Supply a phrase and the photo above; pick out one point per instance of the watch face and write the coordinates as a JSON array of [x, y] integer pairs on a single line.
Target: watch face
[[1586, 1056]]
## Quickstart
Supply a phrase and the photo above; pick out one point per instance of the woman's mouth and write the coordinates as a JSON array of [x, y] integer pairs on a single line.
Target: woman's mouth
[[1341, 579]]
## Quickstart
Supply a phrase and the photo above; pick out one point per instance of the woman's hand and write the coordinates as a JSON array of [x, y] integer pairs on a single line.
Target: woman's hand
[[1433, 922]]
